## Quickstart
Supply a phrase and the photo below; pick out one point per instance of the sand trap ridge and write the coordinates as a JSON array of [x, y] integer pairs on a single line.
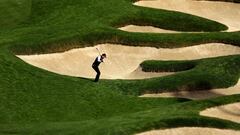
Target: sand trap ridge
[[223, 12], [146, 29], [122, 61], [191, 131], [228, 112], [196, 95]]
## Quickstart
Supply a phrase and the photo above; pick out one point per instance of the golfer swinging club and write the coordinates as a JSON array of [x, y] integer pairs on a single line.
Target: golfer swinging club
[[96, 63]]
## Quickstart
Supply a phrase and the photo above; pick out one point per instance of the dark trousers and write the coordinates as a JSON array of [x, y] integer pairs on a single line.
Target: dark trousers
[[98, 73]]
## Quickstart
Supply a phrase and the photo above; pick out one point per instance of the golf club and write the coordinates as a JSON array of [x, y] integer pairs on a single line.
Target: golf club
[[98, 51]]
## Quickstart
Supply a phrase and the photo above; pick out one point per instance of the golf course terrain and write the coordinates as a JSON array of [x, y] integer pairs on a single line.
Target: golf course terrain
[[172, 67]]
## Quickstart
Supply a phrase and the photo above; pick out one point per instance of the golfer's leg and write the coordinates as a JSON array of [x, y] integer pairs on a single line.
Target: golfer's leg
[[98, 74], [95, 68]]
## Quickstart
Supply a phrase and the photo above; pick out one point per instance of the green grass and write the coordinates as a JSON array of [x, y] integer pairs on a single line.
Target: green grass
[[54, 23], [35, 101], [221, 72], [13, 12], [168, 66]]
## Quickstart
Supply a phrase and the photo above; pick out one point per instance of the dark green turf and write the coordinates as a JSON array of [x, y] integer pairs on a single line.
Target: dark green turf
[[13, 12], [35, 101], [201, 74]]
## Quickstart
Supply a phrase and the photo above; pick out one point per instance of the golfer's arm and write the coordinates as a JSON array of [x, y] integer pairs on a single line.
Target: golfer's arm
[[99, 59]]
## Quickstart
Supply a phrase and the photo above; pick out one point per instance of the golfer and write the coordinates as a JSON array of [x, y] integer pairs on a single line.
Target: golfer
[[95, 65]]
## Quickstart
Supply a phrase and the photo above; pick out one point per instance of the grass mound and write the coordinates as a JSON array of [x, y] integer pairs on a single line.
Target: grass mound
[[200, 74], [53, 24], [167, 66]]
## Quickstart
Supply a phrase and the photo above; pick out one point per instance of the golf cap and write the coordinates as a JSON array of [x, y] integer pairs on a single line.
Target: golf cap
[[104, 54]]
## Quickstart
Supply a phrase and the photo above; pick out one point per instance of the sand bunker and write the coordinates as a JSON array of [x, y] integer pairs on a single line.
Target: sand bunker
[[146, 29], [228, 112], [192, 131], [196, 95], [224, 12], [123, 61]]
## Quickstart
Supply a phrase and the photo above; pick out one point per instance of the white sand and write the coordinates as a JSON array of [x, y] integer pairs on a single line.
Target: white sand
[[196, 95], [224, 12], [191, 131], [228, 112], [122, 61], [146, 29]]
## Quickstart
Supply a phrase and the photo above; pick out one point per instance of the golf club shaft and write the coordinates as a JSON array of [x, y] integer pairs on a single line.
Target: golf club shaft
[[98, 51]]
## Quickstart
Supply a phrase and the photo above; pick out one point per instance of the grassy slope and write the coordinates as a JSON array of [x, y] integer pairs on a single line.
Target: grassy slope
[[65, 21], [34, 101], [196, 74], [14, 12]]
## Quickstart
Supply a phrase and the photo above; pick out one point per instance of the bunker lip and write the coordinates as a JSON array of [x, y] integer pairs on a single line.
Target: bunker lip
[[191, 131], [198, 95], [206, 9], [146, 29], [227, 112], [122, 61], [151, 29]]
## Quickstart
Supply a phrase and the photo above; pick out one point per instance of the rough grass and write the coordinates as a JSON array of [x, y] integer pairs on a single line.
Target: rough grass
[[55, 23], [13, 12], [200, 74], [167, 66], [35, 101]]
